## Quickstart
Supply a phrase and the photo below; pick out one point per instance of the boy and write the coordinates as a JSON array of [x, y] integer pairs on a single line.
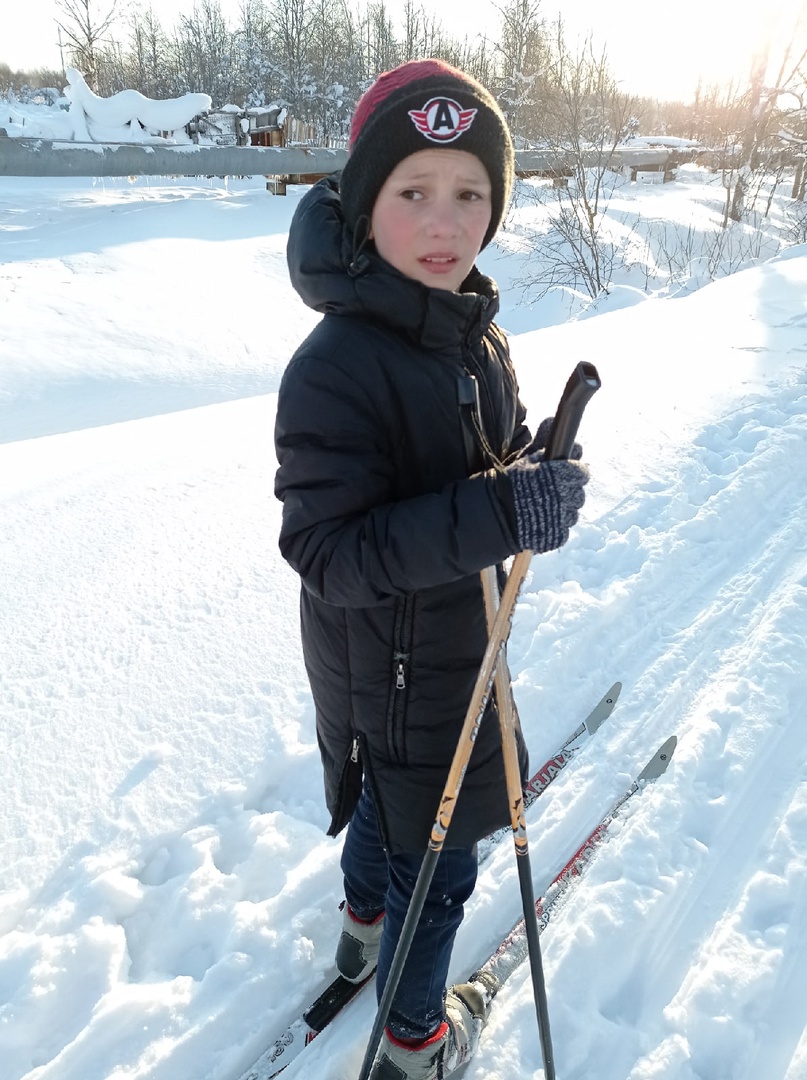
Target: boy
[[406, 467]]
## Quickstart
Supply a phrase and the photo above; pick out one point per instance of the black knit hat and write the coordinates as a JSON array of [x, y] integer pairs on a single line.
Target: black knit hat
[[421, 105]]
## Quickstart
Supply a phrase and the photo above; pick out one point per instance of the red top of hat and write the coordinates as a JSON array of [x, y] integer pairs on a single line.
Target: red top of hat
[[390, 81]]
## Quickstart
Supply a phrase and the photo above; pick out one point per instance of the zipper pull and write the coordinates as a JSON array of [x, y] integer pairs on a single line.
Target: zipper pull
[[354, 753], [400, 681]]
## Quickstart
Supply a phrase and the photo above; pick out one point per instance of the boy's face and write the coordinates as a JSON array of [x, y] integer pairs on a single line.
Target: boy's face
[[431, 216]]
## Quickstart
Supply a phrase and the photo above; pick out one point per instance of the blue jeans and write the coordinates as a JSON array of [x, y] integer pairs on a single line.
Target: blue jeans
[[376, 881]]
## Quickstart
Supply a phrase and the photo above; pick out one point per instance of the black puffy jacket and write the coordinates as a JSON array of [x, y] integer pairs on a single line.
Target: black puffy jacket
[[387, 527]]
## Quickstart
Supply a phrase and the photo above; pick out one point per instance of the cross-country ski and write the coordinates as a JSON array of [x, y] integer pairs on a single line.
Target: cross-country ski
[[339, 992]]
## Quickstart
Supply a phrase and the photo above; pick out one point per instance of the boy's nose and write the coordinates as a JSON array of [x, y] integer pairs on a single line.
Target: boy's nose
[[444, 219]]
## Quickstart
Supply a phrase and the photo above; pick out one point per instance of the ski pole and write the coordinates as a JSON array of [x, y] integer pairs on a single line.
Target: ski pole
[[515, 798], [580, 387]]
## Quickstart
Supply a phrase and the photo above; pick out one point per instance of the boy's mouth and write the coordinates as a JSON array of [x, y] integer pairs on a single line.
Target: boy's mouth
[[439, 262]]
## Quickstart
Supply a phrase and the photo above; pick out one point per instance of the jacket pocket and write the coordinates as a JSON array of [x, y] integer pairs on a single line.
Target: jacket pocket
[[348, 790]]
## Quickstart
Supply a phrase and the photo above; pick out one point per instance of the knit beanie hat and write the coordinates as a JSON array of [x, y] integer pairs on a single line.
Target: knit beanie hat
[[421, 105]]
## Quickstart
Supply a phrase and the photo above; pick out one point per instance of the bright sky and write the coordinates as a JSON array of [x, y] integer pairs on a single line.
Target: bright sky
[[656, 49]]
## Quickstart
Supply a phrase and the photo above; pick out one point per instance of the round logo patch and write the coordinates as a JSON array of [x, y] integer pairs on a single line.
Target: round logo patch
[[442, 120]]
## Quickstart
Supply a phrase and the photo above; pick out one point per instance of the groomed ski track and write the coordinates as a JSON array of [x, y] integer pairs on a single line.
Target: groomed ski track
[[173, 899]]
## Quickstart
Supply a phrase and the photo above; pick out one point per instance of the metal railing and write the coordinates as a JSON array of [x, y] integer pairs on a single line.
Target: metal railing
[[42, 157]]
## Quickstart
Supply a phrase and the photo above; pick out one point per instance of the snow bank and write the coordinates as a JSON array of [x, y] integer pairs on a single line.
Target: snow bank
[[128, 115]]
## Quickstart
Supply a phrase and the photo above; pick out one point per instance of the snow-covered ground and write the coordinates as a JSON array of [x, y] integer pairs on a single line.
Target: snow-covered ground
[[169, 897]]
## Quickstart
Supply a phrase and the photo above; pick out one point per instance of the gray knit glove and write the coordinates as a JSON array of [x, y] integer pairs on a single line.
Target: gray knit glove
[[547, 496], [541, 438]]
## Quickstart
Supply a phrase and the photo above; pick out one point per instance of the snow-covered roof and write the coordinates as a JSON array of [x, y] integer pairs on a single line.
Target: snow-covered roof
[[665, 140]]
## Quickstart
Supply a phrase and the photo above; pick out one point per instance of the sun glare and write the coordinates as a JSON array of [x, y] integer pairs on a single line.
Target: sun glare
[[666, 51]]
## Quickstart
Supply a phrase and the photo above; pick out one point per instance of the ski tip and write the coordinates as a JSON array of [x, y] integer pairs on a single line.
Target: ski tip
[[660, 760], [603, 709]]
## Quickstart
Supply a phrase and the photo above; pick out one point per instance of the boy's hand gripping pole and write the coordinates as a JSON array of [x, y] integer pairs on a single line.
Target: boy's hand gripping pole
[[582, 384]]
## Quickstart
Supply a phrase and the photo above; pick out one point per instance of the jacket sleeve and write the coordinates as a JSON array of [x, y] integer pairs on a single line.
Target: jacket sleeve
[[353, 542]]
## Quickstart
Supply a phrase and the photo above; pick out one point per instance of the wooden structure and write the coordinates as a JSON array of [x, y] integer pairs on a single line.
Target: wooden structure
[[266, 126]]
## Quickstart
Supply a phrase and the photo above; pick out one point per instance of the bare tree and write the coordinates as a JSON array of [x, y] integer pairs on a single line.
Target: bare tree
[[766, 101], [86, 25], [794, 135], [40, 83], [415, 23], [383, 51], [148, 60], [291, 26], [203, 53], [521, 54], [585, 116], [258, 74], [333, 69]]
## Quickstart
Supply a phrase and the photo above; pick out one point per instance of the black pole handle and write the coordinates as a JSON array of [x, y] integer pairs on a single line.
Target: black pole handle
[[583, 383]]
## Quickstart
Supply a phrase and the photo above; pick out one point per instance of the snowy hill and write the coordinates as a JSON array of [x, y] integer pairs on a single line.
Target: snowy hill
[[169, 898]]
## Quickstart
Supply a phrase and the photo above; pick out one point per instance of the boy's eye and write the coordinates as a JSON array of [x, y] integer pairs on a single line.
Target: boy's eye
[[466, 195]]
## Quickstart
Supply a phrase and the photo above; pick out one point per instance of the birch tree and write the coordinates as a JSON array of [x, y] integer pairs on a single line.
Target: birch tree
[[86, 26]]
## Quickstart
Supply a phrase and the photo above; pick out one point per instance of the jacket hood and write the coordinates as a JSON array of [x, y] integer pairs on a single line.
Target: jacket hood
[[335, 275]]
